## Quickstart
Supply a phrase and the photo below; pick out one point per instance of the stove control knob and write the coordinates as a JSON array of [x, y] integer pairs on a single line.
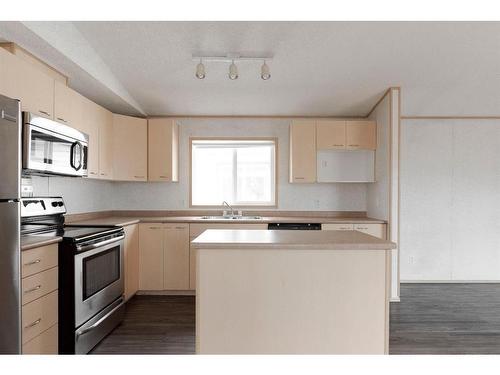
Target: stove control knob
[[60, 204], [54, 204]]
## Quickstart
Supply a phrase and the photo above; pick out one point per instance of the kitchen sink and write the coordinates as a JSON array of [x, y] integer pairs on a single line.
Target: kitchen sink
[[236, 217]]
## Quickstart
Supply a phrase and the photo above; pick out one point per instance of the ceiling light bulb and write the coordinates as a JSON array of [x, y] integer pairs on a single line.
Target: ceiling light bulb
[[264, 72], [233, 71], [200, 70]]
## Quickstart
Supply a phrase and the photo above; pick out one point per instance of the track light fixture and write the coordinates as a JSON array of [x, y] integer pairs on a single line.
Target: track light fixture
[[264, 72], [200, 70], [233, 69]]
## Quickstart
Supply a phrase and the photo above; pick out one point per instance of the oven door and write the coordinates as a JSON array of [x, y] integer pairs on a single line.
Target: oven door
[[98, 277], [49, 152]]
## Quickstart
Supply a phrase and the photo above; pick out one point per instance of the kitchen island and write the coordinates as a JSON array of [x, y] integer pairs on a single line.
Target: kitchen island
[[292, 292]]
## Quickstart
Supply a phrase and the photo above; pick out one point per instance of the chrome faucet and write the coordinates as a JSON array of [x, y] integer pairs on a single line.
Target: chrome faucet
[[228, 206]]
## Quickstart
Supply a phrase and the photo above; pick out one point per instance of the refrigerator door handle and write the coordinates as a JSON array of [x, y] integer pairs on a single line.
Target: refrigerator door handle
[[8, 117]]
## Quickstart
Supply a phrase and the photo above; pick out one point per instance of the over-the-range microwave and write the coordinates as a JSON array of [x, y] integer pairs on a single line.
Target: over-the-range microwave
[[52, 148]]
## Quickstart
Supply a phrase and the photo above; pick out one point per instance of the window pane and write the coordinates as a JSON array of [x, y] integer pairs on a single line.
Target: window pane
[[239, 172], [254, 171], [212, 175]]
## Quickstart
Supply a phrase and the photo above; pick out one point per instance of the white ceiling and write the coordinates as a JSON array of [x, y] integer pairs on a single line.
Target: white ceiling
[[319, 68]]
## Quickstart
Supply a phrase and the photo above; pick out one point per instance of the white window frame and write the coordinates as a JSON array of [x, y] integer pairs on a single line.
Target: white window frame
[[274, 188]]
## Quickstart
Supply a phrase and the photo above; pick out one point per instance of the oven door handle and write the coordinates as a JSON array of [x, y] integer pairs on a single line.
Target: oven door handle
[[99, 322], [99, 244]]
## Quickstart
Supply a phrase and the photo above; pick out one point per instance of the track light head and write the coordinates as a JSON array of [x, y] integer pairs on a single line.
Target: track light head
[[233, 71], [264, 71], [200, 70]]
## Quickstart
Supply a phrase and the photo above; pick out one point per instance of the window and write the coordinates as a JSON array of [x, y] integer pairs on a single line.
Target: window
[[241, 172]]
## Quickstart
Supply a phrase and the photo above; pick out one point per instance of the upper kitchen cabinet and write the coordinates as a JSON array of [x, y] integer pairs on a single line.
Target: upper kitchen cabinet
[[330, 135], [68, 105], [105, 120], [303, 151], [90, 124], [361, 135], [21, 80], [130, 148], [163, 150]]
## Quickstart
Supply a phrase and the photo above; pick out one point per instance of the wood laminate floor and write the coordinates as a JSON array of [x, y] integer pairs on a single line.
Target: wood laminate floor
[[430, 319]]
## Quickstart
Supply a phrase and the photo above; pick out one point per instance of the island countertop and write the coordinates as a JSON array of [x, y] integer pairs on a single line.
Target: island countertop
[[285, 239]]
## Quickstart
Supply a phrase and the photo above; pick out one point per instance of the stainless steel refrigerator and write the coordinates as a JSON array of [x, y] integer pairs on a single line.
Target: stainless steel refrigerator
[[10, 249]]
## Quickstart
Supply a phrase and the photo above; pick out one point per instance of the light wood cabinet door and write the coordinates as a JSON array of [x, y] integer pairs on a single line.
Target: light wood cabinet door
[[303, 151], [343, 226], [39, 315], [39, 284], [176, 257], [68, 106], [131, 254], [376, 230], [38, 259], [105, 121], [330, 135], [22, 80], [90, 126], [151, 256], [361, 135], [163, 150], [130, 148], [45, 343]]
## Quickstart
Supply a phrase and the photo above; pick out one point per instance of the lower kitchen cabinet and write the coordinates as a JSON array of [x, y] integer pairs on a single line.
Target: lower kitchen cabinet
[[176, 257], [151, 256], [131, 254], [39, 288], [163, 256]]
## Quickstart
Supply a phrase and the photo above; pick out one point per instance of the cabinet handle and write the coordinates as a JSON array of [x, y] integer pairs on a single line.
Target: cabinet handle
[[36, 322], [44, 112], [33, 289], [93, 173], [154, 227], [299, 178], [61, 119], [32, 263], [338, 145], [180, 227], [365, 228], [353, 145], [163, 176], [139, 176]]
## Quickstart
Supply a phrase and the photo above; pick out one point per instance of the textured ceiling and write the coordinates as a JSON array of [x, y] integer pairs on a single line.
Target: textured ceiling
[[319, 68]]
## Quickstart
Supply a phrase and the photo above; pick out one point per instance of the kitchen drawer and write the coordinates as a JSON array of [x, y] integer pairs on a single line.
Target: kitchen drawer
[[38, 259], [196, 229], [38, 316], [45, 343], [376, 230], [39, 284], [345, 226]]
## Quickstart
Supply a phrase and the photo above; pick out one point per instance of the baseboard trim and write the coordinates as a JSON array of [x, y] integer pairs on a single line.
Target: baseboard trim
[[450, 281], [166, 293]]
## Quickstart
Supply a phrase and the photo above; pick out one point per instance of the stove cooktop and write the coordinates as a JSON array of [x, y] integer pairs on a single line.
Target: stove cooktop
[[68, 232]]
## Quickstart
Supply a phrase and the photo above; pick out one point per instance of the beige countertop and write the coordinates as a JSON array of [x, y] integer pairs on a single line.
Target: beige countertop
[[129, 220], [31, 241], [284, 239]]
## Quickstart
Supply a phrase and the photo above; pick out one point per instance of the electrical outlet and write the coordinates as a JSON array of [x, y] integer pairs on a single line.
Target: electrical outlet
[[316, 203], [324, 164], [411, 259]]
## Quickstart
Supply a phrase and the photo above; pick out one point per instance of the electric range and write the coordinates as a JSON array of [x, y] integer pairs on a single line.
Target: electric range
[[91, 273]]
